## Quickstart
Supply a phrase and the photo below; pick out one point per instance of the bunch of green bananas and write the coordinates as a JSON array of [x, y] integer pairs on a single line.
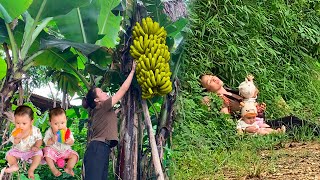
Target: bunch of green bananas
[[151, 53]]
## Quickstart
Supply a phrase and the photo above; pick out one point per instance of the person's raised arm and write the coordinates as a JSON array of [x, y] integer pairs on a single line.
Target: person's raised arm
[[124, 87]]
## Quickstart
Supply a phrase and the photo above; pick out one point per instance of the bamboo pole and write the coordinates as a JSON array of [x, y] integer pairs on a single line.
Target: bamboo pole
[[152, 140]]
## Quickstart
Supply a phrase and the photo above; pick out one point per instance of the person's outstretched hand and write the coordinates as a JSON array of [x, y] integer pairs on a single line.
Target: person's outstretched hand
[[250, 77], [134, 64]]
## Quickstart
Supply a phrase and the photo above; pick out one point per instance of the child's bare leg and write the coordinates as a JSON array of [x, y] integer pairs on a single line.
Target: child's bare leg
[[70, 164], [264, 125], [12, 163], [52, 167], [264, 131], [35, 163], [269, 130]]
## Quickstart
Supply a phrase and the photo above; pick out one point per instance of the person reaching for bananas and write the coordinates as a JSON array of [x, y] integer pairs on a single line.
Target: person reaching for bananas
[[103, 130]]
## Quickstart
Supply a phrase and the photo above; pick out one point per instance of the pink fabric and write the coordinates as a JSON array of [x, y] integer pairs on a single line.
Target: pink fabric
[[259, 121], [24, 155], [55, 154]]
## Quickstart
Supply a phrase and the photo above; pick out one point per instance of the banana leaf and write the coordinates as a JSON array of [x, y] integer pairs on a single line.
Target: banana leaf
[[3, 68], [53, 8], [67, 82], [154, 9], [62, 45], [80, 25], [109, 23], [3, 32], [11, 9]]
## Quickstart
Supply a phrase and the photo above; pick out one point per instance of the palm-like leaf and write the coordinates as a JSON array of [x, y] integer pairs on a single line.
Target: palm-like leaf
[[53, 8], [3, 32], [155, 9], [109, 24], [67, 82], [84, 48], [3, 68], [9, 9], [80, 25]]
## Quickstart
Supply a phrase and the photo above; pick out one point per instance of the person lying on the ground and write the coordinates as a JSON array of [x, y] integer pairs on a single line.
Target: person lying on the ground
[[248, 124], [231, 105]]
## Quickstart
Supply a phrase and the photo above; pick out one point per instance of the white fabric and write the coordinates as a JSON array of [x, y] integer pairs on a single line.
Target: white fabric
[[57, 145], [243, 125], [250, 100], [27, 143]]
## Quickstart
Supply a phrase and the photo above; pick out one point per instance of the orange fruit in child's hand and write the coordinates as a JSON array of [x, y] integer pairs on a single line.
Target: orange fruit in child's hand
[[16, 132]]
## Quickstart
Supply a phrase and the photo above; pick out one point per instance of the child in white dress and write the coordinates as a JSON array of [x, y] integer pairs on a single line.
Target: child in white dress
[[26, 142]]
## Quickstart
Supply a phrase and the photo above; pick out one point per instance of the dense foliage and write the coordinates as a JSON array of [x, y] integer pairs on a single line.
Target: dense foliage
[[276, 41]]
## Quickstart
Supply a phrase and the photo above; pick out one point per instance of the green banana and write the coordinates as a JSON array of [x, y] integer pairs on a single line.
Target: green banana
[[150, 91], [165, 85], [152, 56], [166, 90], [153, 63], [149, 82], [147, 62]]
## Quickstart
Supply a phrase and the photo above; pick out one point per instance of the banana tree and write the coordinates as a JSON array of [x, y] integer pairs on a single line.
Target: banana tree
[[23, 24], [40, 32], [135, 146]]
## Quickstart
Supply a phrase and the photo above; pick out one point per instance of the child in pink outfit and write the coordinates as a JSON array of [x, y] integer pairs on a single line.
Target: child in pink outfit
[[249, 92], [248, 122], [26, 143], [55, 150]]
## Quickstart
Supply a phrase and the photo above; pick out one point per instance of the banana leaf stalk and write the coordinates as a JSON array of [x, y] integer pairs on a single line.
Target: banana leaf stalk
[[152, 141]]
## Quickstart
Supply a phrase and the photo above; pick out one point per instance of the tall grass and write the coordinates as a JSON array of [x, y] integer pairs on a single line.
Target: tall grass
[[276, 41]]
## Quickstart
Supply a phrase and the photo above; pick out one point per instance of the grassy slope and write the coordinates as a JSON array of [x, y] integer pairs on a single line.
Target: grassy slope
[[279, 44]]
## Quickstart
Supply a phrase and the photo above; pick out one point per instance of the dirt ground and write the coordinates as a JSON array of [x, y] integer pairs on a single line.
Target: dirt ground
[[292, 161]]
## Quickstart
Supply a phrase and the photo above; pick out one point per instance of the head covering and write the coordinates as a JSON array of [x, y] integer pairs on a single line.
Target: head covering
[[247, 89], [249, 110]]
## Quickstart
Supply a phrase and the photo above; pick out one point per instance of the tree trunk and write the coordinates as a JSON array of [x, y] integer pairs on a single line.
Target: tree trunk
[[64, 100], [174, 9], [128, 146], [8, 88]]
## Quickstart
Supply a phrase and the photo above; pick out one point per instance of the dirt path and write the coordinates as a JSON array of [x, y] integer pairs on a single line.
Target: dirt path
[[294, 161]]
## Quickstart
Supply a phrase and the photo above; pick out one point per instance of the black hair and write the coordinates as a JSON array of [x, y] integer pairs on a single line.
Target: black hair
[[55, 112], [88, 101], [24, 110]]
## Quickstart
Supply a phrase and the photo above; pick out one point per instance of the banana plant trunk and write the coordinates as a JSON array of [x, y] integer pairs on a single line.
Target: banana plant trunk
[[9, 87], [128, 143]]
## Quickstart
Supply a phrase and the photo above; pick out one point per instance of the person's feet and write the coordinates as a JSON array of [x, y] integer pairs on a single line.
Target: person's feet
[[12, 168], [69, 171], [282, 129], [56, 172]]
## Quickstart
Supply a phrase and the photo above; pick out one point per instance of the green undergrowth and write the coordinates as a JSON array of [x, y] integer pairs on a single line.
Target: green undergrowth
[[276, 41], [206, 146]]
